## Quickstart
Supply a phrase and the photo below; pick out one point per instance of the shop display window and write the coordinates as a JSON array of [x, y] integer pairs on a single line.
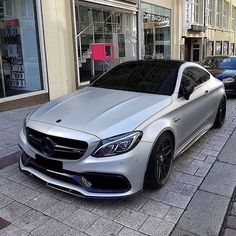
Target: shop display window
[[105, 37], [210, 48], [19, 48], [232, 47], [156, 34], [226, 48], [218, 48]]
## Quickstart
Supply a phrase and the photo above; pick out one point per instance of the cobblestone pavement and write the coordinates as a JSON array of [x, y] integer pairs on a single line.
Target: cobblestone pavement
[[193, 202]]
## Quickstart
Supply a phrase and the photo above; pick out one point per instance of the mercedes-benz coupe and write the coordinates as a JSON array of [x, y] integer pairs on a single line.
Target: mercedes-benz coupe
[[122, 132]]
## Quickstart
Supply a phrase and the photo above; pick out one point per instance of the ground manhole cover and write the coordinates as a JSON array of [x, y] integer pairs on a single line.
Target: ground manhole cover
[[3, 223]]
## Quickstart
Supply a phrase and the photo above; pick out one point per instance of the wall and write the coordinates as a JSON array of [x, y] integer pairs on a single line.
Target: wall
[[57, 24]]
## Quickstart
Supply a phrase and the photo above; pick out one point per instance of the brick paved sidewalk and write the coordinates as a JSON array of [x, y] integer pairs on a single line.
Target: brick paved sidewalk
[[11, 123], [31, 208], [229, 225]]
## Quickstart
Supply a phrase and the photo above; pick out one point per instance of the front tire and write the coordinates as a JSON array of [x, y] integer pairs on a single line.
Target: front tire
[[221, 113], [160, 162]]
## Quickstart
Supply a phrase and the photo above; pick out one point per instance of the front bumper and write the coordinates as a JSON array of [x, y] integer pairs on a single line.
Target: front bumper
[[129, 168], [230, 88]]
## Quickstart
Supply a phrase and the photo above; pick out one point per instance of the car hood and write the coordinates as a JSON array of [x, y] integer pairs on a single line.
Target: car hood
[[101, 112], [221, 74]]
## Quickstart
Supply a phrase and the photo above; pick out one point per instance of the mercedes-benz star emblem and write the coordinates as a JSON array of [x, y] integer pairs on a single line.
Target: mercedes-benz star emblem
[[47, 146]]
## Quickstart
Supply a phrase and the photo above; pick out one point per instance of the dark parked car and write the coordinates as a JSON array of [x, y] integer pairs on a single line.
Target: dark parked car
[[224, 69]]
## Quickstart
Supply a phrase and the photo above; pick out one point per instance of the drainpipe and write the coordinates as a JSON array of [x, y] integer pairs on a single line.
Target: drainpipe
[[139, 24], [204, 40]]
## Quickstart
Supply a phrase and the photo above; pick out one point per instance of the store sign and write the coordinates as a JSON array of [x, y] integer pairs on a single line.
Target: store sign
[[160, 21], [187, 14]]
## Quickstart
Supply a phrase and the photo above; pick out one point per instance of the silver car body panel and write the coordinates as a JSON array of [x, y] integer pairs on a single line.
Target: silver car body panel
[[92, 114], [90, 110]]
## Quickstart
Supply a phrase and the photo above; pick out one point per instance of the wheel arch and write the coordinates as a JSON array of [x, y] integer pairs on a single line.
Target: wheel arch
[[167, 130], [155, 130]]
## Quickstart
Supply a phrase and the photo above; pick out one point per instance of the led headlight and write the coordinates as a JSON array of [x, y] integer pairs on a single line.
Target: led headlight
[[229, 80], [118, 144]]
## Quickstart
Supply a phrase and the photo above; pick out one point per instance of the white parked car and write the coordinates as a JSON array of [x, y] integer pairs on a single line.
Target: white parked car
[[123, 131]]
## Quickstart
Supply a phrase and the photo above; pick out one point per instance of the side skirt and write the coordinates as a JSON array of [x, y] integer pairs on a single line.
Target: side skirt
[[189, 143]]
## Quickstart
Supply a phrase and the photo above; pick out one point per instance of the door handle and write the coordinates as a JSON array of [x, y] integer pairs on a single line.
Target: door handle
[[176, 119]]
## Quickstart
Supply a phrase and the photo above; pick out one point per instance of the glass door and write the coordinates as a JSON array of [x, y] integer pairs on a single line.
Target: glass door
[[106, 37]]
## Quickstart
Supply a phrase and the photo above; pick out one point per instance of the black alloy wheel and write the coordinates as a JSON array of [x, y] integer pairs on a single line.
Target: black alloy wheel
[[160, 162], [221, 113]]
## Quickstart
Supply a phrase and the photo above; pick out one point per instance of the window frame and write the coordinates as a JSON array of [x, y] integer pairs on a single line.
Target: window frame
[[225, 15], [209, 11], [195, 11], [233, 18], [218, 10]]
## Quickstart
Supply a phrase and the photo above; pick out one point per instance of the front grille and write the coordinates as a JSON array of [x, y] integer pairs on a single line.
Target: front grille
[[63, 148]]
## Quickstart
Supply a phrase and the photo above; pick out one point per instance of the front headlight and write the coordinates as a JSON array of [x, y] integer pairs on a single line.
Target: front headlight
[[118, 144], [229, 80]]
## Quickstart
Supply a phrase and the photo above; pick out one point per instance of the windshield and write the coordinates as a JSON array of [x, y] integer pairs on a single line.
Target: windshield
[[156, 77], [221, 63], [212, 62], [228, 63]]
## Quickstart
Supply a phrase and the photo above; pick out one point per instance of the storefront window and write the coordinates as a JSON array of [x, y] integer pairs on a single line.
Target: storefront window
[[155, 32], [232, 45], [20, 71], [226, 48], [106, 37], [210, 47], [218, 48]]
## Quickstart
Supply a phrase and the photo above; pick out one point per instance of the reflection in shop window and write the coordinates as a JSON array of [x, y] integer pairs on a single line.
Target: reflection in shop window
[[156, 32], [226, 48], [19, 45], [105, 37], [232, 46], [218, 48], [210, 48]]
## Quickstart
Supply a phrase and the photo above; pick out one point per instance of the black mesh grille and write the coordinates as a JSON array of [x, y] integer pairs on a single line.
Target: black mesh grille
[[63, 148]]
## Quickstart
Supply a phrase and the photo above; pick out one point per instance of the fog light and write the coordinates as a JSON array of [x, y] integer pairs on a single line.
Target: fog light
[[86, 183]]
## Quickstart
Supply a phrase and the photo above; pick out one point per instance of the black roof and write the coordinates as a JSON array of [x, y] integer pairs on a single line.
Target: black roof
[[176, 63]]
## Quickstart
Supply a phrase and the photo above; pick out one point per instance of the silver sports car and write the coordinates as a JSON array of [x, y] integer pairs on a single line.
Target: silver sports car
[[123, 131]]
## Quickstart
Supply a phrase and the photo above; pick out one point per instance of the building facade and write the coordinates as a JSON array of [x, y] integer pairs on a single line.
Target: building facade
[[209, 28], [51, 48]]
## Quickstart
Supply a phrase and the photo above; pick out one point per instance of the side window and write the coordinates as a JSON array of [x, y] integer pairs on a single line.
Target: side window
[[198, 75], [185, 81], [193, 75], [204, 76]]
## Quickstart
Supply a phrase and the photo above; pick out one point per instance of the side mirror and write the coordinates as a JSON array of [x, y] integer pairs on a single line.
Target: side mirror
[[188, 90]]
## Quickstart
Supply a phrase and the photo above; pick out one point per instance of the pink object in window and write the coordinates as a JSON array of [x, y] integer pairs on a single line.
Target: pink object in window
[[102, 51]]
